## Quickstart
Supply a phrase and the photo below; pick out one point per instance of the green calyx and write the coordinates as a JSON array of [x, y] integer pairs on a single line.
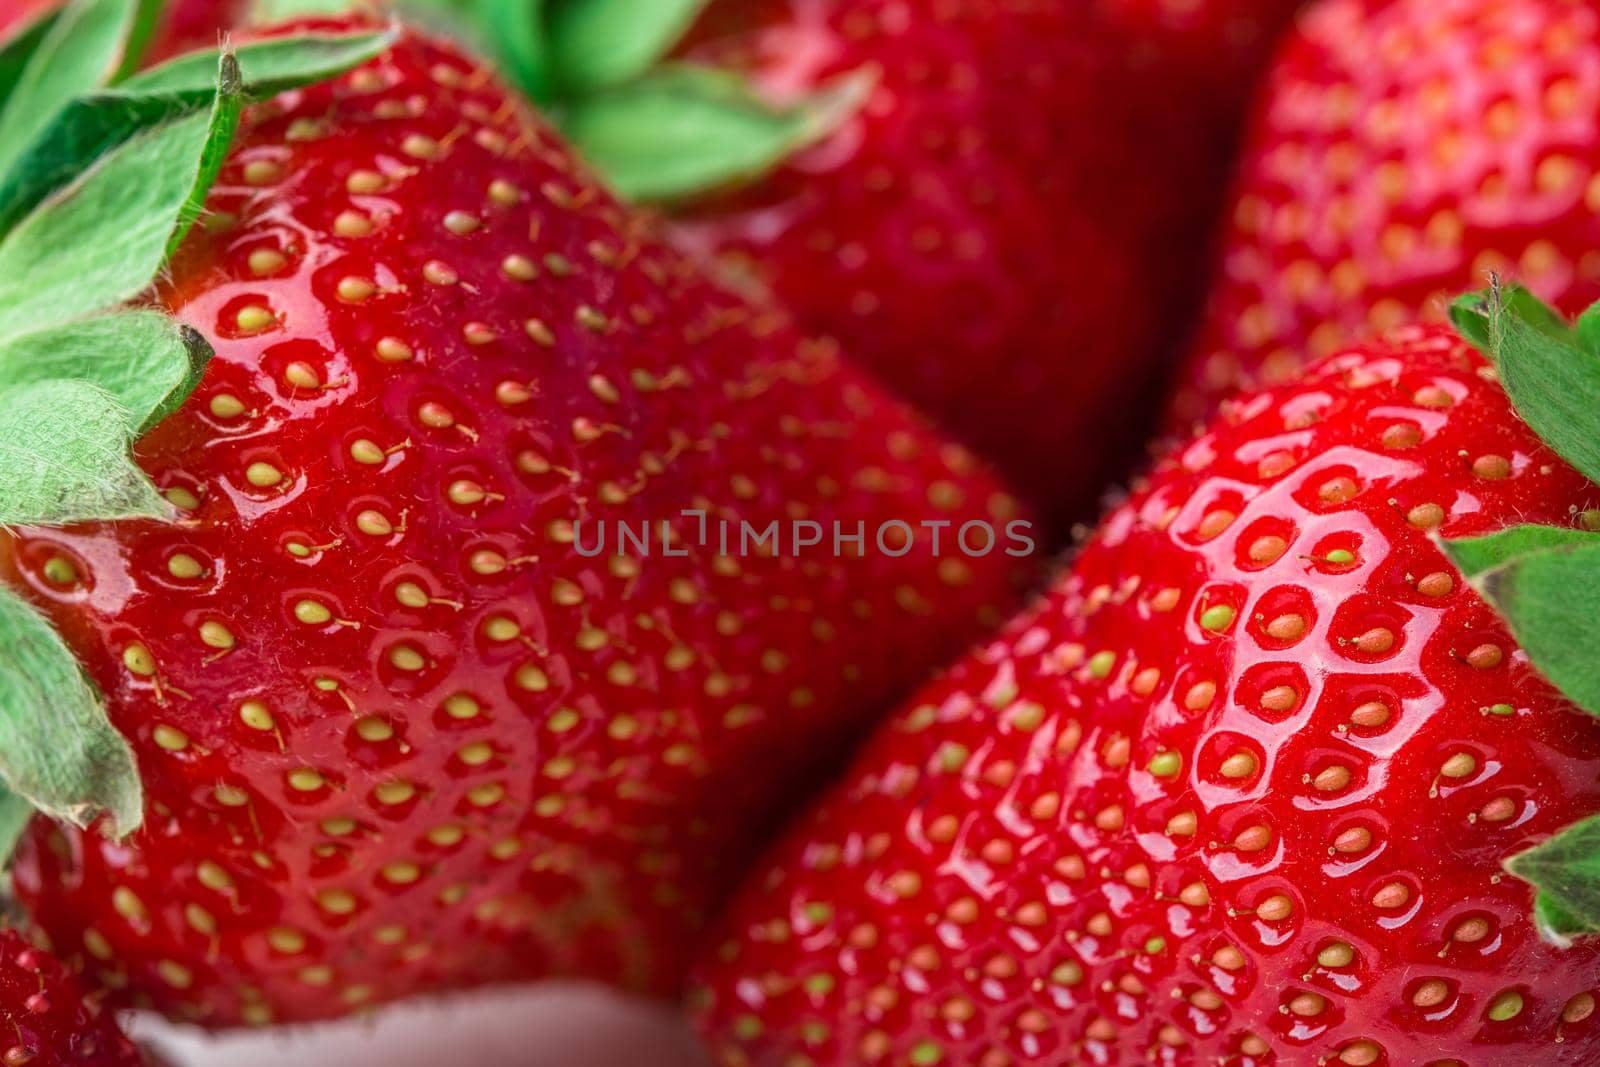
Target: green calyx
[[658, 130], [1545, 580], [103, 170]]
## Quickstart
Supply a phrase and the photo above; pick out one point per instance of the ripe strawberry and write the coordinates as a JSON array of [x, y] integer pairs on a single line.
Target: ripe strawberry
[[400, 730], [1002, 232], [50, 1019], [1401, 149], [1238, 792]]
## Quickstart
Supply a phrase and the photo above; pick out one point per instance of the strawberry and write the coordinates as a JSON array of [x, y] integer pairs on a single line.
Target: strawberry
[[51, 1020], [1238, 791], [997, 206], [409, 713], [1400, 150]]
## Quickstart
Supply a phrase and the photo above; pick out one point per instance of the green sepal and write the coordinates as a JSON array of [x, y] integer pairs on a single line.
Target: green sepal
[[18, 48], [513, 33], [15, 814], [89, 46], [1475, 555], [64, 448], [94, 124], [1550, 599], [58, 749], [1566, 872], [1547, 370], [597, 44], [101, 241], [267, 67], [146, 360], [683, 129]]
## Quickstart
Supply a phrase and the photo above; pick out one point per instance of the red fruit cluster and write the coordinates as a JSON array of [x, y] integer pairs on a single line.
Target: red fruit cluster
[[397, 732], [1237, 792]]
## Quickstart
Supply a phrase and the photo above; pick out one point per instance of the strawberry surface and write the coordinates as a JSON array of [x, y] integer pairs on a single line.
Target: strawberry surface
[[51, 1020], [401, 727], [1237, 792], [1008, 230], [1400, 151]]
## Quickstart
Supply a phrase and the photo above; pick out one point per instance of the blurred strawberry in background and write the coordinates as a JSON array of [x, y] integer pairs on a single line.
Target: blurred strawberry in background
[[1011, 228], [1401, 149]]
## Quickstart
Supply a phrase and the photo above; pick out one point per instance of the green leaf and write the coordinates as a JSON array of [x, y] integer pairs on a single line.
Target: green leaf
[[18, 49], [94, 124], [58, 749], [64, 449], [683, 130], [85, 49], [1553, 382], [268, 67], [15, 814], [1588, 330], [1475, 555], [101, 241], [1566, 871], [513, 31], [264, 12], [146, 360], [595, 44], [1550, 598]]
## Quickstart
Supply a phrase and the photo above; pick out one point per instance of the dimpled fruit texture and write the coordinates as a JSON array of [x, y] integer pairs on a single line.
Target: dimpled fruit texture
[[48, 1019], [1009, 229], [397, 733], [1402, 150], [1238, 792]]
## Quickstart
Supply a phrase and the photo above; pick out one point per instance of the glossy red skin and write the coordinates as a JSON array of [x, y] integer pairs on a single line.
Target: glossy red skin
[[48, 1018], [1006, 822], [680, 699], [1403, 149], [1009, 230]]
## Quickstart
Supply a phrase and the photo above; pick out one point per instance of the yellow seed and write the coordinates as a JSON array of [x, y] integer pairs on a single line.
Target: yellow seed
[[402, 873], [212, 876], [406, 658], [226, 406], [411, 595], [393, 350], [373, 729], [352, 224], [500, 628], [312, 612], [287, 940], [460, 223], [262, 172], [255, 714], [487, 562], [230, 796], [461, 706], [374, 523], [137, 659], [1336, 954], [418, 146], [215, 635], [396, 792], [446, 836], [264, 261], [337, 901], [170, 738], [503, 192], [253, 318], [366, 452], [306, 780], [179, 497], [519, 268], [263, 475], [1239, 765], [1460, 765], [59, 570], [353, 290], [475, 754]]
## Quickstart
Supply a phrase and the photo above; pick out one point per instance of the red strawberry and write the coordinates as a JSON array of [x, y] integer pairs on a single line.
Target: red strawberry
[[1237, 792], [50, 1020], [398, 731], [1401, 149], [1004, 231]]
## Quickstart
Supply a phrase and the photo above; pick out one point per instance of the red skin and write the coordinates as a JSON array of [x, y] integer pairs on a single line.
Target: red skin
[[1008, 231], [990, 875], [603, 799], [48, 1018], [1390, 166]]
